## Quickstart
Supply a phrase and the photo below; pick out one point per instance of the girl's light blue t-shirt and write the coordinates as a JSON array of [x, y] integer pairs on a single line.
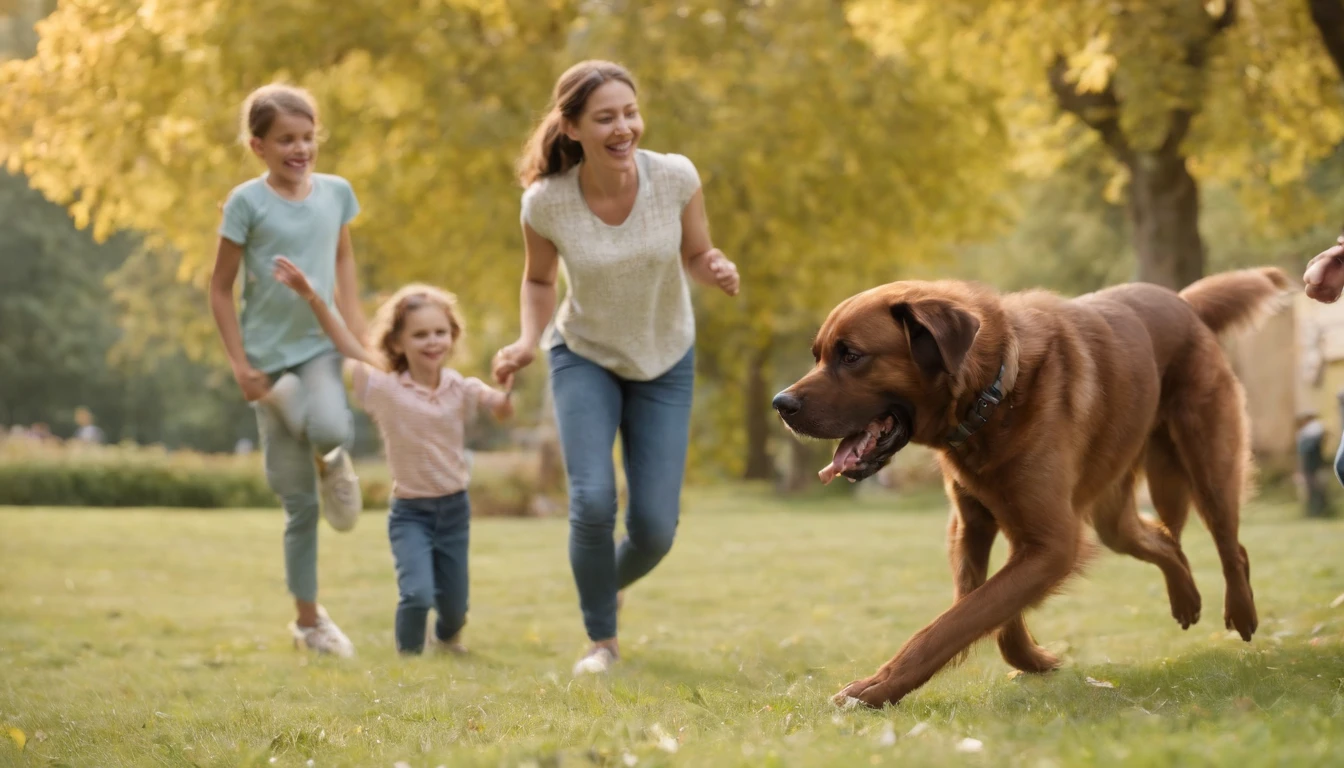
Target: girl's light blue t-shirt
[[279, 330]]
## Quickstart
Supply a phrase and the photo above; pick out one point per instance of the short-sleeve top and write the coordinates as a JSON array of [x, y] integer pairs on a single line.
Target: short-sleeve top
[[628, 303], [279, 330], [423, 430]]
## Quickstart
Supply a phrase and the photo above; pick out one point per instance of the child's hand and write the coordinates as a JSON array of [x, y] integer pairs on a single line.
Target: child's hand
[[503, 408], [252, 382], [1324, 277], [286, 272]]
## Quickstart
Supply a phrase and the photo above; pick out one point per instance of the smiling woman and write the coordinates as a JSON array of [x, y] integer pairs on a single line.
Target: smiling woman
[[628, 226]]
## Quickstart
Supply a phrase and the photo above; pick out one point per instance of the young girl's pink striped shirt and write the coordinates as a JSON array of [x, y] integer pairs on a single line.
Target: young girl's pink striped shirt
[[423, 429]]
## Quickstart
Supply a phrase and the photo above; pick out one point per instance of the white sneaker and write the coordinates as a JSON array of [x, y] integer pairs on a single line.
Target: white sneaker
[[341, 499], [326, 637], [286, 400], [597, 662]]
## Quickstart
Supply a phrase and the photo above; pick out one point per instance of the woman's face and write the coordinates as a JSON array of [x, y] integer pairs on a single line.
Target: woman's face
[[610, 126]]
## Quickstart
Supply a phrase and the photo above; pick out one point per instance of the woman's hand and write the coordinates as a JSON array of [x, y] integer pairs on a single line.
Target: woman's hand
[[510, 360], [724, 272]]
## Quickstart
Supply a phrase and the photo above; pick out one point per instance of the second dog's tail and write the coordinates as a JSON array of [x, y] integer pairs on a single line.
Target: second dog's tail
[[1233, 300]]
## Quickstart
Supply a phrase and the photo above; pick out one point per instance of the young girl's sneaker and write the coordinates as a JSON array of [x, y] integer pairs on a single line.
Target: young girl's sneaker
[[325, 637], [597, 662], [286, 400], [340, 494], [452, 646]]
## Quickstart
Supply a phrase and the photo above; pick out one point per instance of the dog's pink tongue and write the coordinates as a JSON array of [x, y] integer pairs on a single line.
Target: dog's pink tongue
[[846, 454]]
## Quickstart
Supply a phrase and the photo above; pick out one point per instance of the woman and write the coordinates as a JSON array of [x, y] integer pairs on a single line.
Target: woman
[[629, 226]]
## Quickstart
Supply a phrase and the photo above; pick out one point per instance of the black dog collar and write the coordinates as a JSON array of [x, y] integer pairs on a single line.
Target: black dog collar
[[985, 403]]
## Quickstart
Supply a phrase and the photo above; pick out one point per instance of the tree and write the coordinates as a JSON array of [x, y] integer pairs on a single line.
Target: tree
[[1178, 92], [826, 168]]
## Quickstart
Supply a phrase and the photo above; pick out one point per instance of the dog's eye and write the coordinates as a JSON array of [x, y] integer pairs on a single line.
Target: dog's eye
[[850, 358]]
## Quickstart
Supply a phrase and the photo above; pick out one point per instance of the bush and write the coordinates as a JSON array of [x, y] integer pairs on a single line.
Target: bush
[[79, 475]]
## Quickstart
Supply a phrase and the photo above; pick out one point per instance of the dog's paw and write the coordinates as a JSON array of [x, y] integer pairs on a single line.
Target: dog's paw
[[872, 692]]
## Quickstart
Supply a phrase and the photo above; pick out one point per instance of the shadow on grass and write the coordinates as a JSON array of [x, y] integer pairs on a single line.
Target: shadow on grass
[[1210, 682]]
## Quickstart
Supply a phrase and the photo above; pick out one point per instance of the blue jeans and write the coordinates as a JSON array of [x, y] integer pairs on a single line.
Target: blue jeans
[[592, 405], [1339, 461], [290, 461], [429, 546]]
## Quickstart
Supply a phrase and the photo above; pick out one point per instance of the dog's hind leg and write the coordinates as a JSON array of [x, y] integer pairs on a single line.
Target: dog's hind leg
[[1115, 516], [1168, 483], [1208, 426]]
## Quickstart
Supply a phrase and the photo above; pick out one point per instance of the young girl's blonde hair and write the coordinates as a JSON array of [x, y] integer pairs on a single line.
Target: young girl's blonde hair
[[390, 320], [266, 103]]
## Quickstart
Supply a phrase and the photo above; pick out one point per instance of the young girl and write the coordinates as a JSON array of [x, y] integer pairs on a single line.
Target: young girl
[[420, 407], [282, 361]]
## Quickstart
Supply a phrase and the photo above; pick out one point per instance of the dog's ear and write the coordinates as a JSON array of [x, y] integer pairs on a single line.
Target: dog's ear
[[940, 334]]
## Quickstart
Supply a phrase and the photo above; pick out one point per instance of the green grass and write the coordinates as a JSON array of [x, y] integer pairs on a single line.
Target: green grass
[[158, 638]]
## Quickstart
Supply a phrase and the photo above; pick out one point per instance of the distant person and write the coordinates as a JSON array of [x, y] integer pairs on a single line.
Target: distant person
[[282, 361], [421, 408], [1311, 462], [629, 226], [87, 432]]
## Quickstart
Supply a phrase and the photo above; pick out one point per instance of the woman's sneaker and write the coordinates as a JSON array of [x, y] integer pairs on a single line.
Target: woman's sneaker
[[341, 498], [325, 637], [597, 662]]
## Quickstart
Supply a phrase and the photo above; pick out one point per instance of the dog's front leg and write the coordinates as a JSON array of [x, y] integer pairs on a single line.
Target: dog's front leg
[[1033, 569]]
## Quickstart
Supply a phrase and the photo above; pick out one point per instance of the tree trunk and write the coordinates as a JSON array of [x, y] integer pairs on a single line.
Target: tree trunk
[[760, 464], [1328, 15], [1164, 208]]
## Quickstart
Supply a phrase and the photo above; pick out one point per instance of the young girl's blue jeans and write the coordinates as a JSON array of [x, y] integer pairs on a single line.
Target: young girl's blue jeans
[[429, 546], [653, 418], [290, 460]]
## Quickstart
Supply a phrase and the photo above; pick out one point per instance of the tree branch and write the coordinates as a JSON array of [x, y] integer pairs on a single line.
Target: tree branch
[[1328, 15], [1099, 111], [1196, 57]]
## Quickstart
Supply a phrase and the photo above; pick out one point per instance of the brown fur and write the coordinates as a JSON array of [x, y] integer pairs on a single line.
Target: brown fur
[[1102, 389]]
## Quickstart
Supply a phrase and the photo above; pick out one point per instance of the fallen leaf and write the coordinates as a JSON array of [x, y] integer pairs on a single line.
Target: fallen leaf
[[970, 746], [1013, 675], [401, 764], [1092, 681], [1338, 601], [19, 738], [888, 737], [918, 729], [39, 736], [629, 759]]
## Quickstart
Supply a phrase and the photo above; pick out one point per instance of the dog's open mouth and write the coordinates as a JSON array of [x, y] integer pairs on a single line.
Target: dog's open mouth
[[863, 453]]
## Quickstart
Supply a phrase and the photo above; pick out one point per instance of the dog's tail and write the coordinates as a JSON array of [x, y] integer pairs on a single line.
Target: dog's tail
[[1233, 300]]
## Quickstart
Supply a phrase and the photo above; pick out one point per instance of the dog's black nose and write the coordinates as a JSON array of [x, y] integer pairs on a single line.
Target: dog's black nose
[[786, 404]]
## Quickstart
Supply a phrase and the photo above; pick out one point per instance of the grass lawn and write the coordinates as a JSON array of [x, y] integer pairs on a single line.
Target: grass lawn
[[158, 638]]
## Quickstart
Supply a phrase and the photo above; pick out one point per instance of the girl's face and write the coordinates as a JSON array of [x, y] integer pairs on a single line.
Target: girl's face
[[610, 126], [289, 148], [426, 338]]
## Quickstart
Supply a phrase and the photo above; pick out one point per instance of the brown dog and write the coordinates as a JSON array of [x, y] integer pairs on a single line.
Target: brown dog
[[1045, 412]]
